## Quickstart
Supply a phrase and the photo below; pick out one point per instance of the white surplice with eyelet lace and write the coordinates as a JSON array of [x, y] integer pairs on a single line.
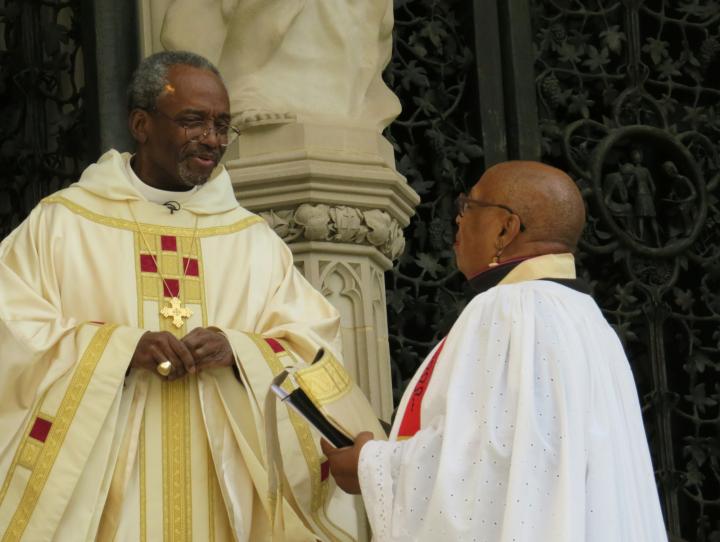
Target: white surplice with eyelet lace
[[531, 430]]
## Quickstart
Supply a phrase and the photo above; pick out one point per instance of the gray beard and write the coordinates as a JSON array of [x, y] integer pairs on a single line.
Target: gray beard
[[190, 178]]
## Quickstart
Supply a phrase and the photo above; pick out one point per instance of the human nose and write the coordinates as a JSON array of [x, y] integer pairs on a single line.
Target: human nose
[[211, 137]]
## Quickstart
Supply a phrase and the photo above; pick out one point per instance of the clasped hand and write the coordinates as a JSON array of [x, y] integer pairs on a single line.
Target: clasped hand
[[200, 349]]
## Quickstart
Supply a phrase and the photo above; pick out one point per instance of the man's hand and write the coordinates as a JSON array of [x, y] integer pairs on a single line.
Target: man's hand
[[209, 348], [344, 462], [155, 347]]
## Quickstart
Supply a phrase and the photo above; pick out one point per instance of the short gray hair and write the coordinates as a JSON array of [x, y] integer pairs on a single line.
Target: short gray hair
[[150, 77]]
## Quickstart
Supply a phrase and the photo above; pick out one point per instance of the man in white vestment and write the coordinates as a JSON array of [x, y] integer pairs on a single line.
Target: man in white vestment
[[523, 424], [143, 313]]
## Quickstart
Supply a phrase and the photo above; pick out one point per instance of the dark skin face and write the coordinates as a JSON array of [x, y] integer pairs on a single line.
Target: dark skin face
[[165, 159], [483, 231]]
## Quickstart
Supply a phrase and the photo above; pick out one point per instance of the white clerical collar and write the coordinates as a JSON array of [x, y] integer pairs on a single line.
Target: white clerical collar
[[155, 195]]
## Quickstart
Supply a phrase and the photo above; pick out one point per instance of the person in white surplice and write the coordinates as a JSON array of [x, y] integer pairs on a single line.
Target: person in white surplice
[[143, 314], [523, 424]]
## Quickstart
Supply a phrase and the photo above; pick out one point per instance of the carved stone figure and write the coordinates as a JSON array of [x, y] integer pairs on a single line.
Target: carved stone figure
[[310, 60]]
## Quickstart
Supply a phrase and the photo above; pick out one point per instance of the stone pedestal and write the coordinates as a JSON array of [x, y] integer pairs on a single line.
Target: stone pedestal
[[333, 195]]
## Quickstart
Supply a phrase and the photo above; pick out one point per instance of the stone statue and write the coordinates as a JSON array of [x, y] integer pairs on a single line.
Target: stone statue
[[313, 61]]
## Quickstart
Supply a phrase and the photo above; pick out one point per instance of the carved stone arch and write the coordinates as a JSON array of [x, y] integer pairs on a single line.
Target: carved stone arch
[[342, 287], [379, 372]]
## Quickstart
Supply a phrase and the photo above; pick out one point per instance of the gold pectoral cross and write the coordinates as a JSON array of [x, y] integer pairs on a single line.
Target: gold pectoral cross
[[176, 311]]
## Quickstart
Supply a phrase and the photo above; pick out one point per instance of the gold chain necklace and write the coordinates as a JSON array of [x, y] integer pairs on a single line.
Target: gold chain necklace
[[175, 310]]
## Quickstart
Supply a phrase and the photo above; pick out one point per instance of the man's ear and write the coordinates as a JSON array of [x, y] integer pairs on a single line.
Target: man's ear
[[511, 227], [138, 123]]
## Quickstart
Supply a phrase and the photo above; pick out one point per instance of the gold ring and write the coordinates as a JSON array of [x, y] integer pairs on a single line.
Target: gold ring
[[164, 368]]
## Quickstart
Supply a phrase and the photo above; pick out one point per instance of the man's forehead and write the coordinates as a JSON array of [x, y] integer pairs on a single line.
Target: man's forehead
[[184, 73], [195, 89], [476, 191], [494, 183], [202, 112], [484, 187]]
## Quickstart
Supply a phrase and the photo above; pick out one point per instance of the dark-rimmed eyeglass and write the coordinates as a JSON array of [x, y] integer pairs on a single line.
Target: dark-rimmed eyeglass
[[463, 202], [197, 130]]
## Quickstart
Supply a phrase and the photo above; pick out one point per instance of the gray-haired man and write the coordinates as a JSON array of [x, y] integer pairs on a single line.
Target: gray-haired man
[[127, 302]]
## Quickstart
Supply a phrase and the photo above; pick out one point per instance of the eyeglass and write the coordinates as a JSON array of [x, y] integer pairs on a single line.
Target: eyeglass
[[463, 202], [197, 130]]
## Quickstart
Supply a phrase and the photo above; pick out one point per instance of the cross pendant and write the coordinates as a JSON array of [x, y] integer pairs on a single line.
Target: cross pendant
[[176, 311]]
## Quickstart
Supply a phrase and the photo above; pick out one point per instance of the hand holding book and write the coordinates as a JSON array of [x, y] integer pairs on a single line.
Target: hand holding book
[[303, 405]]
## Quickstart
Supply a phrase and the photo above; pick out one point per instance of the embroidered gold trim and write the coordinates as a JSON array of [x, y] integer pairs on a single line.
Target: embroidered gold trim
[[30, 453], [325, 381], [151, 228], [18, 452], [150, 285], [63, 419], [175, 395], [176, 461], [186, 452], [201, 275], [167, 504], [140, 285], [143, 489], [211, 476], [307, 446]]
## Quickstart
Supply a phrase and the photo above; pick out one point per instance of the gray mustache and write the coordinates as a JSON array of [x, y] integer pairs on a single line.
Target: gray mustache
[[212, 155]]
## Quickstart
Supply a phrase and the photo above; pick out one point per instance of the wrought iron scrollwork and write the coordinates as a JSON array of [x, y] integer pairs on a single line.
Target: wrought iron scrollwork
[[437, 142], [628, 94], [43, 134]]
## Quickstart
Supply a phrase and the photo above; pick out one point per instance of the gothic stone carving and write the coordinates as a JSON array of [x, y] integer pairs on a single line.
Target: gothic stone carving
[[338, 224]]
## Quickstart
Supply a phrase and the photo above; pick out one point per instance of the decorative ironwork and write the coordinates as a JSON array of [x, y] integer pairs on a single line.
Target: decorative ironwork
[[432, 72], [42, 133], [628, 94]]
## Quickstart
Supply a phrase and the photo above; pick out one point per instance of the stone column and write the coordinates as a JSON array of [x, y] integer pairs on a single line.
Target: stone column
[[306, 88], [334, 196]]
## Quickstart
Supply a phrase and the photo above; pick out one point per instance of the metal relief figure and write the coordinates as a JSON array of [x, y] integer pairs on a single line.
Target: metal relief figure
[[681, 199], [286, 60], [616, 196], [643, 186]]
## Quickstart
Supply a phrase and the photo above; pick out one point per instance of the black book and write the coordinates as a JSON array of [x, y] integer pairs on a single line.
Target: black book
[[303, 405]]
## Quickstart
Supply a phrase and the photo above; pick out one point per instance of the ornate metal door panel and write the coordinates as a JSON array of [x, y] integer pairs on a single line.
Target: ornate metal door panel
[[63, 69], [437, 144], [627, 94], [624, 95], [43, 137]]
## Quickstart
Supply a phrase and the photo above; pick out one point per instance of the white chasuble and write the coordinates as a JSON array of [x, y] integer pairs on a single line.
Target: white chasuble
[[527, 427], [90, 450]]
